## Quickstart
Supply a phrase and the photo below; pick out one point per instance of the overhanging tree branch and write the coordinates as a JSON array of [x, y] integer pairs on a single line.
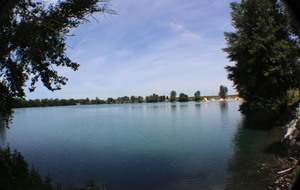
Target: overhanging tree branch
[[33, 38]]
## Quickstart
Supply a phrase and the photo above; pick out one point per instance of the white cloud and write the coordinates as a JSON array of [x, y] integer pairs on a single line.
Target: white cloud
[[150, 47], [176, 26]]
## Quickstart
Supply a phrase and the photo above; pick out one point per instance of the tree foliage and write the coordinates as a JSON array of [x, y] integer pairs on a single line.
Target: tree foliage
[[155, 98], [223, 92], [197, 95], [183, 97], [140, 99], [265, 49], [124, 99], [172, 96], [110, 101], [33, 44], [15, 174]]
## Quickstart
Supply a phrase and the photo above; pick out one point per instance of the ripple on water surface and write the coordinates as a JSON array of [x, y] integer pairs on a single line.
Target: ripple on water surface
[[138, 146]]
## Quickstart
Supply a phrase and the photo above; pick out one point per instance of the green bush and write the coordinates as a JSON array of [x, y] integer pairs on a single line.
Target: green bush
[[15, 174]]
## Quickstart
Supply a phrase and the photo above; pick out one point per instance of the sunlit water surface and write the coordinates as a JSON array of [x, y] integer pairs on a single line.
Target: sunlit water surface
[[143, 146]]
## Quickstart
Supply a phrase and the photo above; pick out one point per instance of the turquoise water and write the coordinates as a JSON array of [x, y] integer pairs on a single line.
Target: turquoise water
[[142, 146]]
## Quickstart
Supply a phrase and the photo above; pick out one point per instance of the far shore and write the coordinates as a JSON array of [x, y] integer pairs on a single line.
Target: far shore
[[121, 100]]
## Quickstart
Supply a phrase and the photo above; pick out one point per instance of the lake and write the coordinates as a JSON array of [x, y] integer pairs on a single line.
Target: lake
[[161, 146]]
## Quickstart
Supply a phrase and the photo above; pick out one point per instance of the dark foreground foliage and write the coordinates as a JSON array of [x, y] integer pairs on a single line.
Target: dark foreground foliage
[[265, 49], [16, 175], [33, 44]]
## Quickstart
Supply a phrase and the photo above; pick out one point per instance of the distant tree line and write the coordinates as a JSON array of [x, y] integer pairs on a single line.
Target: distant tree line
[[155, 98], [120, 100]]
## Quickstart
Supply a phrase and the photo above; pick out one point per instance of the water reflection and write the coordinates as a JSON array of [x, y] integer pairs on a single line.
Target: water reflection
[[251, 150], [197, 107], [146, 146], [173, 107], [156, 106], [224, 113], [223, 106], [140, 107], [183, 105]]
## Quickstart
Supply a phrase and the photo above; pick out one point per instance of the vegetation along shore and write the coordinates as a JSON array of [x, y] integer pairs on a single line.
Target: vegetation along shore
[[120, 100]]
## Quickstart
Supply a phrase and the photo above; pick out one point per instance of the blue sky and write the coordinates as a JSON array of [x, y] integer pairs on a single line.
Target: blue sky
[[149, 47]]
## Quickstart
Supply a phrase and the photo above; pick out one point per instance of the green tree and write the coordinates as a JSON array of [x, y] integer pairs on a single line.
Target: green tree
[[162, 98], [140, 99], [265, 49], [172, 96], [223, 92], [183, 97], [110, 101], [87, 101], [33, 43], [97, 101], [152, 98], [15, 173], [124, 99], [197, 95], [133, 99]]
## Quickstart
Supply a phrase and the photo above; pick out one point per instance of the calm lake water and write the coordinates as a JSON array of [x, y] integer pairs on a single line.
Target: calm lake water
[[144, 146]]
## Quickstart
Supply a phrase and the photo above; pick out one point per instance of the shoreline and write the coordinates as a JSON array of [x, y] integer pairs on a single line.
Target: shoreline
[[67, 102], [284, 172]]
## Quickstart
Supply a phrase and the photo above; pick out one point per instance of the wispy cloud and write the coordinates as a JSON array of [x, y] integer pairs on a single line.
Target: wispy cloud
[[150, 47]]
